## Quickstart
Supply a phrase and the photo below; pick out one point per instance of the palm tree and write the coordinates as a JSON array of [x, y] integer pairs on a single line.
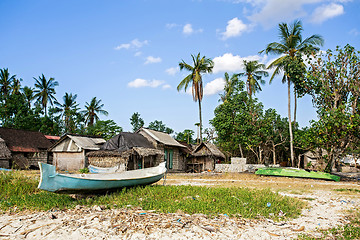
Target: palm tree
[[290, 45], [201, 65], [16, 86], [254, 71], [28, 93], [92, 110], [5, 82], [45, 91], [68, 109], [229, 86]]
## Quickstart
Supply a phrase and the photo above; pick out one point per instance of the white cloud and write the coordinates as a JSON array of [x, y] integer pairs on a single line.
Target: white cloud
[[138, 53], [136, 44], [274, 11], [214, 87], [151, 59], [326, 12], [171, 25], [188, 29], [230, 63], [138, 83], [234, 28], [354, 32], [172, 71], [166, 86], [124, 45]]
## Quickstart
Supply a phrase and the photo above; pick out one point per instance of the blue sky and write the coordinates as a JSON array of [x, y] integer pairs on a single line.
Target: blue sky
[[126, 53]]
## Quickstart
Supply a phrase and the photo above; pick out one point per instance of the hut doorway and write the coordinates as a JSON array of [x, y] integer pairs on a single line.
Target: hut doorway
[[168, 157]]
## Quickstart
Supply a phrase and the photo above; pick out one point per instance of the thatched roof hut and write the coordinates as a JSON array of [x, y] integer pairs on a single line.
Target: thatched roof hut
[[207, 149], [4, 150], [124, 148]]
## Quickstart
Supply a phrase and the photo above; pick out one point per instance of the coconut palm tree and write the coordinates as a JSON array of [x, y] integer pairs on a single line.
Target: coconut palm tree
[[200, 66], [28, 93], [229, 86], [254, 71], [291, 44], [68, 110], [45, 91], [92, 110], [6, 81]]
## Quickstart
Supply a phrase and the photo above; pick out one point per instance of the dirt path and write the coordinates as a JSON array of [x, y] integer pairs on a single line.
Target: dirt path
[[327, 208]]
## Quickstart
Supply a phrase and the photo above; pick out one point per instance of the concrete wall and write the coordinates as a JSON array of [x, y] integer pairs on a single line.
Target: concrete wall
[[239, 165]]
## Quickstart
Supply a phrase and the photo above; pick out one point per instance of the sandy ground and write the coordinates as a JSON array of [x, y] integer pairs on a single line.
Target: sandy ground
[[327, 208]]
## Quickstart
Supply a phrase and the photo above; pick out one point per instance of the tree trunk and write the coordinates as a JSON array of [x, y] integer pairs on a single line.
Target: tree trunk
[[290, 126], [274, 154], [241, 152], [201, 140], [295, 105]]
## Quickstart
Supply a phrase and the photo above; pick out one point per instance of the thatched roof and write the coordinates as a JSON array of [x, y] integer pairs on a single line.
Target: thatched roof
[[126, 141], [143, 152], [188, 148], [103, 153], [24, 141], [161, 137], [4, 151], [207, 149]]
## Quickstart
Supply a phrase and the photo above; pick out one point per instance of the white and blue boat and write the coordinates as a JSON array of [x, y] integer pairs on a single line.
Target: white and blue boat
[[52, 181]]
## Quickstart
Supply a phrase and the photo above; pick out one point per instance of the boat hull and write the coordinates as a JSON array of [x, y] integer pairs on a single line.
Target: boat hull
[[52, 181], [300, 173]]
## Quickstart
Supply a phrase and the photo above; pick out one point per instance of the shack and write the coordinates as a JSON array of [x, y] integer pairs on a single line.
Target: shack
[[204, 157], [175, 162], [127, 150], [69, 153], [27, 148]]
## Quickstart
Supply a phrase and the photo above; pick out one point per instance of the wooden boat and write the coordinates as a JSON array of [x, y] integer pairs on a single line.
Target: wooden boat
[[95, 169], [52, 181], [295, 172]]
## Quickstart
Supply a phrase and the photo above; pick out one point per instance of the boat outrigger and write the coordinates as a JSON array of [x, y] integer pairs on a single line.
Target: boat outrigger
[[296, 172], [52, 181]]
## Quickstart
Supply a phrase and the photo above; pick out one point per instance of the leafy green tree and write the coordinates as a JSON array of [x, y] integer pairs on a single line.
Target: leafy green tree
[[106, 129], [45, 91], [136, 121], [69, 111], [254, 72], [200, 66], [186, 136], [335, 91], [244, 129], [291, 46], [229, 86], [160, 126], [92, 110], [6, 80]]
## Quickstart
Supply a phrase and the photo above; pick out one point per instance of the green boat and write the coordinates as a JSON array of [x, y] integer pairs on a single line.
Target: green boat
[[295, 172]]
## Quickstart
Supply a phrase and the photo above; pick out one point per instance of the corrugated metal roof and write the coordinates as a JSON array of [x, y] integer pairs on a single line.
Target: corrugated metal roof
[[163, 138], [87, 142]]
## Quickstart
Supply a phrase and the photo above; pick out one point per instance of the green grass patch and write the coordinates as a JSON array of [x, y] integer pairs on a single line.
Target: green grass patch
[[349, 190], [347, 232], [20, 192]]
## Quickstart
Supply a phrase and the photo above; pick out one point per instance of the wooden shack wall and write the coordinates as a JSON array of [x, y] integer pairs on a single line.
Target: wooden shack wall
[[69, 160], [4, 163], [36, 157]]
